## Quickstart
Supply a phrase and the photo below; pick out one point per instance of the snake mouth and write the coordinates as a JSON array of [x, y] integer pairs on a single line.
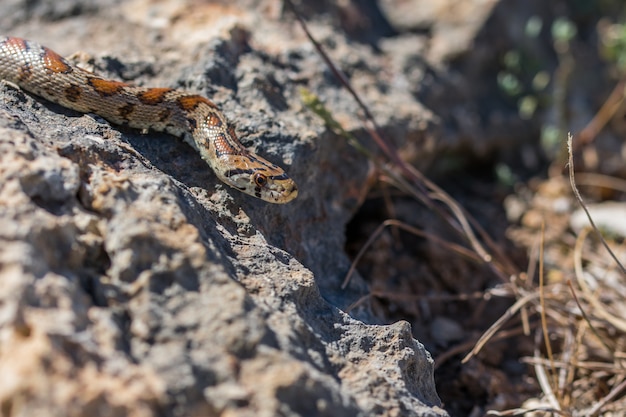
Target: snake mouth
[[283, 193], [291, 194]]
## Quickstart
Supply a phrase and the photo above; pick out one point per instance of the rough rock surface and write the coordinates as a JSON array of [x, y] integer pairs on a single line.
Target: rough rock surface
[[125, 290], [135, 284]]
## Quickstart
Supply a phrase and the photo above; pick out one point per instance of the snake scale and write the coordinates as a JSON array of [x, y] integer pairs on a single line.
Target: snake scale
[[192, 117]]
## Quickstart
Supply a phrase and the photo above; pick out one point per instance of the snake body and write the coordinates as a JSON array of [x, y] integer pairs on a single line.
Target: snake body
[[192, 117]]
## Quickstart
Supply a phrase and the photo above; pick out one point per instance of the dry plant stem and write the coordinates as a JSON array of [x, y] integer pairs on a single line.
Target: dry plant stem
[[544, 383], [602, 117], [617, 390], [599, 180], [530, 273], [504, 267], [586, 318], [460, 226], [532, 266], [358, 303], [542, 302], [562, 76], [341, 77], [574, 366], [525, 320], [526, 412], [460, 215], [542, 378], [460, 250], [566, 374], [391, 211], [598, 306], [445, 356], [493, 292], [410, 172], [510, 312], [478, 313], [590, 366], [477, 295], [582, 204]]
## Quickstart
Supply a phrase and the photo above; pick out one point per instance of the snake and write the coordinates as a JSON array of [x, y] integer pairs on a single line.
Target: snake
[[192, 117]]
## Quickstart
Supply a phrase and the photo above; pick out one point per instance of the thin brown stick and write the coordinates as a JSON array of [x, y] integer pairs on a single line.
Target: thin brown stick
[[590, 366], [409, 171], [526, 412], [546, 387], [358, 303], [510, 312], [595, 410], [492, 292], [584, 207], [599, 180], [591, 298], [601, 118], [586, 318], [460, 250], [463, 347], [544, 321]]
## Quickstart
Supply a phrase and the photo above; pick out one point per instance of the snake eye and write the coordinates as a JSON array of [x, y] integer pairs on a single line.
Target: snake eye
[[260, 179]]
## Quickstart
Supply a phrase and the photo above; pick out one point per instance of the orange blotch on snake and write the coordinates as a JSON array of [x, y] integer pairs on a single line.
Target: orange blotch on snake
[[16, 43], [54, 62], [106, 88], [153, 96], [213, 121], [190, 102], [223, 146]]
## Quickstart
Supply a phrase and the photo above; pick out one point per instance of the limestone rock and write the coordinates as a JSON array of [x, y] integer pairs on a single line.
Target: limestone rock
[[136, 284]]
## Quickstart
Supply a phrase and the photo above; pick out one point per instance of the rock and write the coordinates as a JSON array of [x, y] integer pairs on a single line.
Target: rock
[[125, 290], [453, 23], [136, 284], [446, 331]]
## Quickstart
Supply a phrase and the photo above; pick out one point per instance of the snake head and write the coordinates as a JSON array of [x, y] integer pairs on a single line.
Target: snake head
[[260, 178]]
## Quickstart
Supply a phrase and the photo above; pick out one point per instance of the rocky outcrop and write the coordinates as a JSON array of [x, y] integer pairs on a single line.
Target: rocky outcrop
[[125, 290], [135, 284]]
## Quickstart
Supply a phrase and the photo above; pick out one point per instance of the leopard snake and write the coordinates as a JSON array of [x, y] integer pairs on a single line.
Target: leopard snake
[[196, 119]]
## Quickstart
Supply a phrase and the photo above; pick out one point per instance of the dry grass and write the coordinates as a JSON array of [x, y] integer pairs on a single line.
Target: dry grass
[[570, 303], [579, 358]]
